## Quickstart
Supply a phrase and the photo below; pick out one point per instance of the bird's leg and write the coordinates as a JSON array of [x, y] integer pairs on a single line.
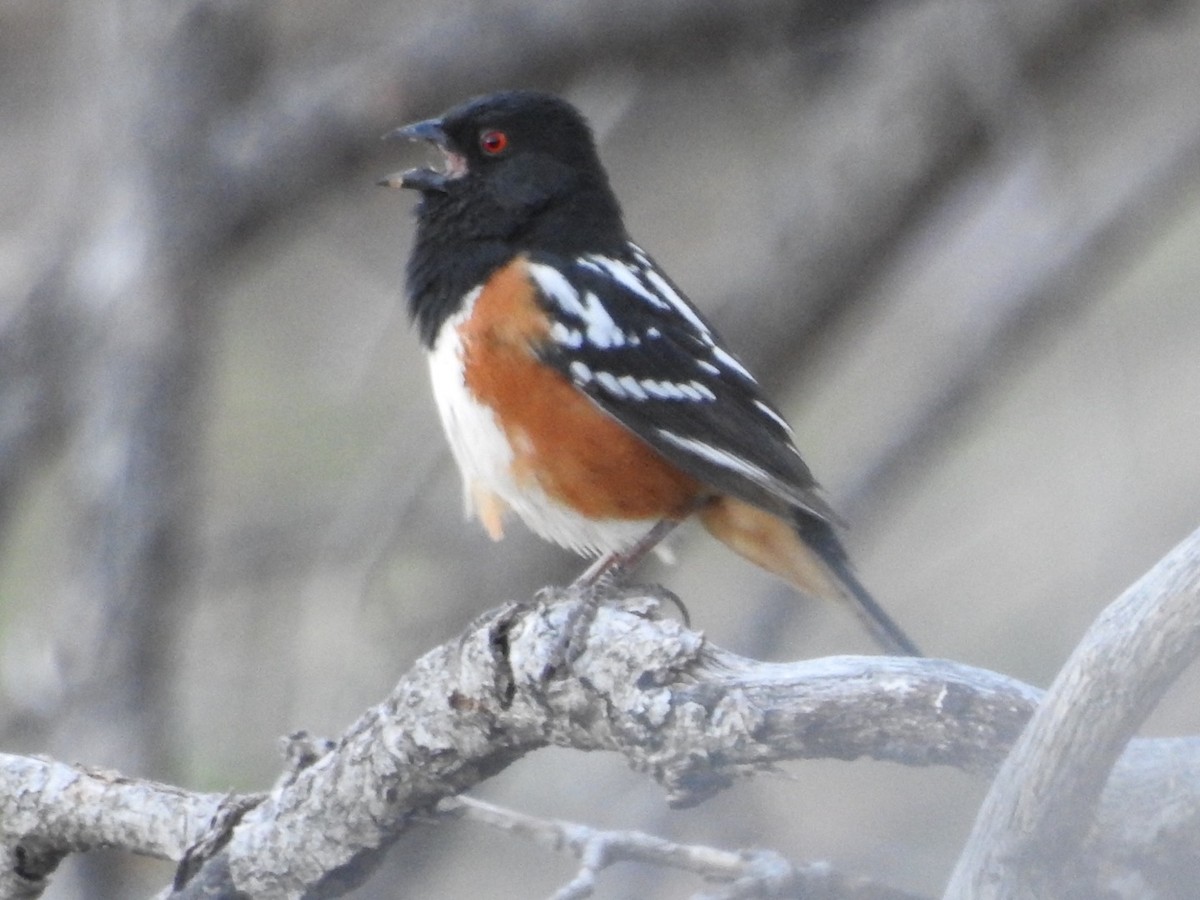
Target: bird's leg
[[615, 565], [607, 569]]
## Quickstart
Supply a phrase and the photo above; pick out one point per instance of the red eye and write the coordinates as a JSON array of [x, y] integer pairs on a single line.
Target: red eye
[[493, 143]]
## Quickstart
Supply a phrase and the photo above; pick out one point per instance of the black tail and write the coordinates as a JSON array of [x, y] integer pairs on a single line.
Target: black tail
[[820, 535]]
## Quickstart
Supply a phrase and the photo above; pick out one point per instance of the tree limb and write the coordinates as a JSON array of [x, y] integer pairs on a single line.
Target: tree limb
[[1041, 805], [49, 809], [746, 873], [689, 714]]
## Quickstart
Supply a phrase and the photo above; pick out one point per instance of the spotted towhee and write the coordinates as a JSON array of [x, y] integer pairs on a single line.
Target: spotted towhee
[[577, 385]]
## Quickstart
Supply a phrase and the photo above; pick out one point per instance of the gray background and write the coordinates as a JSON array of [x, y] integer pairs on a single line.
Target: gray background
[[959, 242]]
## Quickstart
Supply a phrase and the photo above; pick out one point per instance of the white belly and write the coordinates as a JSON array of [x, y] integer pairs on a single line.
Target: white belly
[[484, 458]]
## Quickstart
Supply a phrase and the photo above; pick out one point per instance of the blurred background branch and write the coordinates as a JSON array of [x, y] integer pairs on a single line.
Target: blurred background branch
[[1042, 806]]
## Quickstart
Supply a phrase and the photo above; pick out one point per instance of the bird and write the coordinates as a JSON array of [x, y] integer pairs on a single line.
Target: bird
[[577, 385]]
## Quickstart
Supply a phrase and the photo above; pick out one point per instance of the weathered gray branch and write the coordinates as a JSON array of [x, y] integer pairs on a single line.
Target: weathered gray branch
[[1042, 804], [692, 716], [49, 809], [1053, 274], [761, 873]]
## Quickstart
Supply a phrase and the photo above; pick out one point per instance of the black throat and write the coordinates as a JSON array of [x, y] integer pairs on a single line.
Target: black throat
[[466, 234]]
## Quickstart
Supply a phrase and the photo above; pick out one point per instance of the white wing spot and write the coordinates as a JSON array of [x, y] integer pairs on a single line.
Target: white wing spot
[[647, 283], [632, 388], [602, 331], [722, 458], [580, 372], [568, 337], [609, 382], [555, 285], [599, 327], [661, 390], [627, 278], [729, 361], [770, 413], [696, 391], [681, 306]]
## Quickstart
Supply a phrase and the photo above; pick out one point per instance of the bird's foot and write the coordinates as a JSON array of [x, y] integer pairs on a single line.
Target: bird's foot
[[577, 605], [580, 604]]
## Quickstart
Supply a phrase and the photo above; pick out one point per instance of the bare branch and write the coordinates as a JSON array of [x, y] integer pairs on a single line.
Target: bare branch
[[50, 809], [1041, 805], [1149, 818], [691, 715], [747, 873], [1057, 273]]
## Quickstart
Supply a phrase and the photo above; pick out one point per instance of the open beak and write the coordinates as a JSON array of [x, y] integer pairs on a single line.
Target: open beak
[[426, 178]]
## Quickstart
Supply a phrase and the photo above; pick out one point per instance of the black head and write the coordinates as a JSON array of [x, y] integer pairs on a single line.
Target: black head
[[520, 174]]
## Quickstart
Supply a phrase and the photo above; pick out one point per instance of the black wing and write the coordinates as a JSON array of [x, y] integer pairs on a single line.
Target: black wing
[[626, 336]]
